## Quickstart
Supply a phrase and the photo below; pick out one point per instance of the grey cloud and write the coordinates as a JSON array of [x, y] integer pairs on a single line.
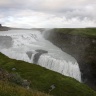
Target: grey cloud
[[79, 9]]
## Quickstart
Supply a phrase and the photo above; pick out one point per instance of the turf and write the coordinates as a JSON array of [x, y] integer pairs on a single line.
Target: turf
[[41, 79], [10, 89], [77, 31]]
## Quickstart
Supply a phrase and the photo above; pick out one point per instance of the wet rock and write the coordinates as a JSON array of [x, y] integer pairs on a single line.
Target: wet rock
[[39, 53], [29, 53]]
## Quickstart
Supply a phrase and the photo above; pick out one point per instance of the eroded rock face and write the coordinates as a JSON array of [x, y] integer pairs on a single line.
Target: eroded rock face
[[41, 51], [83, 49], [38, 54], [29, 53]]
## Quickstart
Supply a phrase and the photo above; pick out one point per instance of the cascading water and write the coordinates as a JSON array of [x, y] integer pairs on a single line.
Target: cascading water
[[30, 46]]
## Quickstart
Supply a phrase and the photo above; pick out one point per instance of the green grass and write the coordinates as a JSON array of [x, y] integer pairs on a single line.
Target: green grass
[[41, 79], [77, 31], [9, 89]]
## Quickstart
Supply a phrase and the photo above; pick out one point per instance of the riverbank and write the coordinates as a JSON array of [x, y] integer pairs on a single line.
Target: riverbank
[[81, 44]]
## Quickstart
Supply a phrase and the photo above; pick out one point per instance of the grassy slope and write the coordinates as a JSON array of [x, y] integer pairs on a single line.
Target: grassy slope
[[79, 31], [41, 79], [9, 89]]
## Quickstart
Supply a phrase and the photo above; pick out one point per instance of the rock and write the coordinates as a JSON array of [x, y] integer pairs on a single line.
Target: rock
[[38, 54], [82, 48], [41, 51], [26, 84], [52, 87], [13, 69], [29, 53]]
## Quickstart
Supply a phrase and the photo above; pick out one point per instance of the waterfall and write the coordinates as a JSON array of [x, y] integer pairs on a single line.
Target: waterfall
[[64, 67], [31, 46]]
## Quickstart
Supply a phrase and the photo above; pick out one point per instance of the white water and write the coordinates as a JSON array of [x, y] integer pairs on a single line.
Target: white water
[[55, 59]]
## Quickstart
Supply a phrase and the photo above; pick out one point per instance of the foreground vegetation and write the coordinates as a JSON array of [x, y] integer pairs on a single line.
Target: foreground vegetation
[[10, 89], [41, 79]]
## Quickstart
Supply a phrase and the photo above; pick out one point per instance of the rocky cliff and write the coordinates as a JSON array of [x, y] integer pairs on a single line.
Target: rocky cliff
[[80, 46]]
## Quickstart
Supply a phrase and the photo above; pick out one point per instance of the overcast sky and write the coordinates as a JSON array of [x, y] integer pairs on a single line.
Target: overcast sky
[[48, 13]]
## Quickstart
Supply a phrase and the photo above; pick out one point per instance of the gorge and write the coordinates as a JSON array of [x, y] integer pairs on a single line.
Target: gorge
[[81, 44], [31, 46]]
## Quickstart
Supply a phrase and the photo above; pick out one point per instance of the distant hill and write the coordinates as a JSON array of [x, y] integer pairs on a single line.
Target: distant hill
[[4, 28], [38, 29], [13, 28]]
